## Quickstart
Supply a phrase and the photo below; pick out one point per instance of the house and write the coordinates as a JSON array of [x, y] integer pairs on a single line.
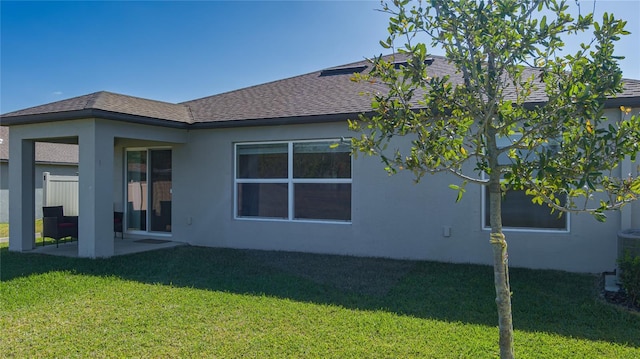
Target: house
[[256, 168], [55, 158]]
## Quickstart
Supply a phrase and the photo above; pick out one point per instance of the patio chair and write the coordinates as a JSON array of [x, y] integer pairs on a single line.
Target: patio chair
[[57, 226], [117, 224]]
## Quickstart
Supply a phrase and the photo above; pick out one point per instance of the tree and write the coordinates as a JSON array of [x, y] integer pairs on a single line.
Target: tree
[[562, 151]]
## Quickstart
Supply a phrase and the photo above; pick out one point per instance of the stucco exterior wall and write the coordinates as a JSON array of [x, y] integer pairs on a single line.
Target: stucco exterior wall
[[100, 176], [391, 216]]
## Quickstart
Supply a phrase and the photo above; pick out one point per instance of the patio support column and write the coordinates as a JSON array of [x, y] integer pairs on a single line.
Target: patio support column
[[21, 194], [95, 227]]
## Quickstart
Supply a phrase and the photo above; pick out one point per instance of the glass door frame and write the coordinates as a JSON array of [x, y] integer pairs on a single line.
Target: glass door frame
[[149, 196]]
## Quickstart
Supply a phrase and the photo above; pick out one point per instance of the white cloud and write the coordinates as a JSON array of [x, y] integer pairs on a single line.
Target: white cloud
[[56, 93]]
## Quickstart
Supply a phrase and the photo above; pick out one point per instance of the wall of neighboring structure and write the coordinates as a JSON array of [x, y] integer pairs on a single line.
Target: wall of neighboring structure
[[66, 170], [391, 216]]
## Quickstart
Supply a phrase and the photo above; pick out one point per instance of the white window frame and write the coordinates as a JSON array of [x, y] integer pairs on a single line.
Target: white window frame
[[290, 181]]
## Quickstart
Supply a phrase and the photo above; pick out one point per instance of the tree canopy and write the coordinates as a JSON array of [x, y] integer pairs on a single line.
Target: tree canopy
[[517, 114]]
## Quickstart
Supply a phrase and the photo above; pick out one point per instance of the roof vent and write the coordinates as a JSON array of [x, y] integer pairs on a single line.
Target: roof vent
[[345, 70], [428, 61]]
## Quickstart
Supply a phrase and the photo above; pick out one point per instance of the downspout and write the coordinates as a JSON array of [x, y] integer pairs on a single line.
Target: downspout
[[625, 169], [625, 212]]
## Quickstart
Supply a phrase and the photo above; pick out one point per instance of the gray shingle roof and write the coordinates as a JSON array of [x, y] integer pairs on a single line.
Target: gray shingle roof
[[318, 96], [306, 95], [112, 102], [58, 153], [631, 88]]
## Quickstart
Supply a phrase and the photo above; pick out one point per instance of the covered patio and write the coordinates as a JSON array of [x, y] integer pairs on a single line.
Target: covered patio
[[120, 247], [103, 137]]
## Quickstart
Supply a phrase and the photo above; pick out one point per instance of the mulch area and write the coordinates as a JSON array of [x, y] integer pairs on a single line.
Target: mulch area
[[619, 299], [622, 300]]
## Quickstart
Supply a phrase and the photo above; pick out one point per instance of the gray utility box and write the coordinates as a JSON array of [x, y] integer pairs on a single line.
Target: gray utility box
[[629, 241]]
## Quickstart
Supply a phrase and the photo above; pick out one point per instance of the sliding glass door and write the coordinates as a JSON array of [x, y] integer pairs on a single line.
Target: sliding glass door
[[160, 190], [148, 190]]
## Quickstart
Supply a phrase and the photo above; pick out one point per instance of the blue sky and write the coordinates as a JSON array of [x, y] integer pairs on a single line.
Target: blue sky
[[176, 51]]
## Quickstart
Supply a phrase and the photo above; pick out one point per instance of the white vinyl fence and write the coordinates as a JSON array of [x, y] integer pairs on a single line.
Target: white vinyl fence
[[60, 191]]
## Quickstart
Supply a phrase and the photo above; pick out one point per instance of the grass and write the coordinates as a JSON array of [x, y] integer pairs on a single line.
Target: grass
[[205, 302], [4, 228]]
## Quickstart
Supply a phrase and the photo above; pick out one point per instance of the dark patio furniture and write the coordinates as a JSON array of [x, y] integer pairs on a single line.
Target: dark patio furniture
[[57, 226], [117, 224]]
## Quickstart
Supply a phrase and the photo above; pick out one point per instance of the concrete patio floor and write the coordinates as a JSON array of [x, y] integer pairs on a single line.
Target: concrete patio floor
[[121, 247]]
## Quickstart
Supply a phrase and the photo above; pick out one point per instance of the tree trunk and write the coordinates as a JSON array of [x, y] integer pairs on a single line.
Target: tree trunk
[[501, 272], [503, 294]]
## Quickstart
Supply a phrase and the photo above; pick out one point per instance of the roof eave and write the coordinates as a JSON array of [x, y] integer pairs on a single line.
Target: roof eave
[[89, 113], [48, 163], [631, 101], [279, 121]]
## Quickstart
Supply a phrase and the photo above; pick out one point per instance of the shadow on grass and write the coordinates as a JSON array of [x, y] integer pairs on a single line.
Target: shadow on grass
[[545, 301]]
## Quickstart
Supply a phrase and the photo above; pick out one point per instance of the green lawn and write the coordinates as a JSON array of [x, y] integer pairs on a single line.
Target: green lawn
[[203, 302], [4, 228]]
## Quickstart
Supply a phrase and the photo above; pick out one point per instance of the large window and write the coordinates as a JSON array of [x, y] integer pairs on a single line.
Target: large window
[[519, 212], [306, 180]]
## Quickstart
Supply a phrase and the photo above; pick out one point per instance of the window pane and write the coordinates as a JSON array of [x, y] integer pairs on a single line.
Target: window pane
[[160, 185], [319, 160], [262, 161], [323, 201], [137, 190], [263, 200], [519, 212]]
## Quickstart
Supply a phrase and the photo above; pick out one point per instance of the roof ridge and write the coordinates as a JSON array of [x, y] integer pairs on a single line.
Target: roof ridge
[[192, 118], [136, 97], [92, 99], [91, 103]]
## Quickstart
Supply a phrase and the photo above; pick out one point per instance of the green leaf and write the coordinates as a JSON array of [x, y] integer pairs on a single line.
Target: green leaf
[[600, 217]]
